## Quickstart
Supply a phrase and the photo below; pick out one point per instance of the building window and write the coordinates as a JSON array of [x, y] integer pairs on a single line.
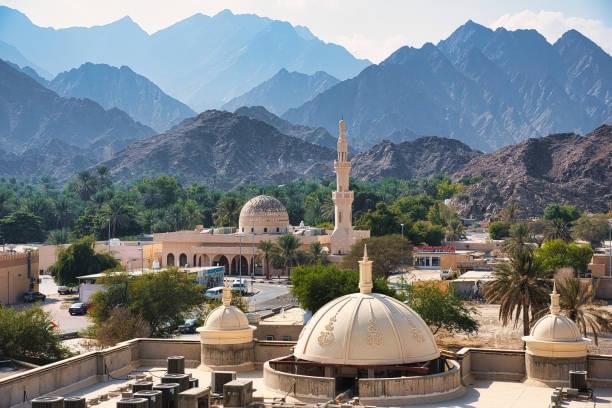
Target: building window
[[286, 338], [277, 229], [252, 229], [435, 261], [270, 337], [266, 229], [242, 229]]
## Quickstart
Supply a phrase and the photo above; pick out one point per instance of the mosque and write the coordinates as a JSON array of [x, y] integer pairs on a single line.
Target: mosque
[[261, 218]]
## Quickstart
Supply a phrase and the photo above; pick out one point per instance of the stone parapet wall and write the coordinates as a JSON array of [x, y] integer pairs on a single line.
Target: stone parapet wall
[[599, 368], [551, 371], [492, 364], [300, 386], [269, 350]]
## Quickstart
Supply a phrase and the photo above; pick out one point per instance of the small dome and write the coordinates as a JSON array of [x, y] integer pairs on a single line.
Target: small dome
[[557, 328], [263, 214], [226, 324], [226, 318], [366, 329]]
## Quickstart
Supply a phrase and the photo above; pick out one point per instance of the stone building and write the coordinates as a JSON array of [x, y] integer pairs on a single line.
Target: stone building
[[18, 275]]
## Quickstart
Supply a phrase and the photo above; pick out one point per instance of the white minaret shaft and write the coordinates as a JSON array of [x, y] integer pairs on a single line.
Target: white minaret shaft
[[343, 198], [227, 295], [555, 308], [365, 273]]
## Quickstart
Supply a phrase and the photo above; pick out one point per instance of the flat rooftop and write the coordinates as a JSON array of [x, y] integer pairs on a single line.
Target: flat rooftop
[[291, 316], [497, 394]]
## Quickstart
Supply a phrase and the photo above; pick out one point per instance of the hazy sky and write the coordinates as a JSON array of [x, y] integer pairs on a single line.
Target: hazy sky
[[368, 28]]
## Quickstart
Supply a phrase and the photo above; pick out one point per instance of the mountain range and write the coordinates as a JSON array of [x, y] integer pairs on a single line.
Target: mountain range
[[38, 126], [223, 150], [203, 61], [122, 88], [487, 88], [283, 91]]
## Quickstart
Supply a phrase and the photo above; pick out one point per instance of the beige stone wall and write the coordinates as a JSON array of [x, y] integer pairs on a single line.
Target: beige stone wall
[[599, 368], [492, 364], [320, 388], [278, 331], [14, 277], [599, 266], [268, 350]]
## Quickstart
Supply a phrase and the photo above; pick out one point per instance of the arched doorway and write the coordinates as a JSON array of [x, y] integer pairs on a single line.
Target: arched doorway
[[170, 260], [195, 260], [240, 263], [221, 260], [203, 260], [182, 260]]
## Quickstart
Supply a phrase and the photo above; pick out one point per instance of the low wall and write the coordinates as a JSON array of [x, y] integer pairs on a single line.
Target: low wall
[[154, 352], [412, 390], [300, 386], [492, 364], [599, 368], [269, 350]]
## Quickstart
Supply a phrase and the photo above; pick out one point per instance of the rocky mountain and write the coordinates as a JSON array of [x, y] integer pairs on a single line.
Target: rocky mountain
[[11, 54], [203, 61], [486, 88], [562, 168], [318, 136], [122, 88], [224, 150], [36, 119], [283, 91], [423, 157]]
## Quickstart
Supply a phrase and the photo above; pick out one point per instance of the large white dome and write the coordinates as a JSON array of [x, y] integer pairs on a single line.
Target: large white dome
[[263, 215]]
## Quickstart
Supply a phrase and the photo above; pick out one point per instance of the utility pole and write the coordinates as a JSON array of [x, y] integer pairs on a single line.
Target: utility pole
[[402, 230], [109, 221], [610, 248]]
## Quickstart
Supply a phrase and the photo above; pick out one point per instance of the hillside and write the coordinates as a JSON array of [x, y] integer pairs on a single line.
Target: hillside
[[423, 157], [32, 116], [204, 61], [122, 88], [318, 136], [562, 168], [223, 150], [283, 91], [486, 88]]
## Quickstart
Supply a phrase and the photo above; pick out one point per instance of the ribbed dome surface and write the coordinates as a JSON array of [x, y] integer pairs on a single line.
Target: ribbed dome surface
[[366, 329], [556, 328], [226, 318], [263, 214]]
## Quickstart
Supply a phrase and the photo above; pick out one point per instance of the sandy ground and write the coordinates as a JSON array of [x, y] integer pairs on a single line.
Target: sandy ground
[[493, 335]]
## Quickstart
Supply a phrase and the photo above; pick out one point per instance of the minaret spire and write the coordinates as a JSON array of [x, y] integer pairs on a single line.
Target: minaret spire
[[555, 308], [227, 295], [365, 273], [342, 197]]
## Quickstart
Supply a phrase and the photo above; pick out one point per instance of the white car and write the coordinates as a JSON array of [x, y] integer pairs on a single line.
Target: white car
[[239, 286], [214, 293]]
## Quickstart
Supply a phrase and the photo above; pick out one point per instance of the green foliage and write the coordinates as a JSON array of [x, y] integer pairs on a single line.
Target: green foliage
[[556, 253], [499, 229], [22, 226], [79, 259], [441, 309], [287, 251], [28, 334], [565, 212], [160, 298], [121, 325], [593, 229], [388, 253], [315, 285]]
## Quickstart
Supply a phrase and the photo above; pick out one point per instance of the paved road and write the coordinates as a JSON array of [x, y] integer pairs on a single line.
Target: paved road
[[57, 306], [266, 295]]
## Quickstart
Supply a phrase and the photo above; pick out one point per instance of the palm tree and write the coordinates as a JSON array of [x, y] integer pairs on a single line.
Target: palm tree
[[315, 250], [454, 230], [509, 213], [518, 241], [266, 248], [520, 287], [85, 185], [227, 211], [287, 249], [62, 210], [118, 212], [559, 229], [576, 299]]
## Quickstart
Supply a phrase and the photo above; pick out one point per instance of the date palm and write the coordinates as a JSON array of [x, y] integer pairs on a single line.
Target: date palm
[[266, 248], [521, 288], [315, 250], [518, 240], [576, 300], [287, 250]]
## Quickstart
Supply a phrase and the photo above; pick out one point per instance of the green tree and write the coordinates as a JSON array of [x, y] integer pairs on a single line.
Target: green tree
[[576, 301], [518, 240], [160, 298], [121, 325], [315, 285], [593, 229], [425, 232], [499, 229], [21, 227], [388, 253], [28, 334], [556, 253], [521, 287], [228, 210], [266, 248], [287, 247], [565, 212], [441, 309], [381, 221], [315, 252], [558, 229], [80, 258]]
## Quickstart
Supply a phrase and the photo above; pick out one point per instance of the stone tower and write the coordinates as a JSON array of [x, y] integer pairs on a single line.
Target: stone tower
[[343, 197]]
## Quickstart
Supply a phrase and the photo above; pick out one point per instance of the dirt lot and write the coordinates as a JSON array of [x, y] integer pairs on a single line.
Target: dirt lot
[[493, 335]]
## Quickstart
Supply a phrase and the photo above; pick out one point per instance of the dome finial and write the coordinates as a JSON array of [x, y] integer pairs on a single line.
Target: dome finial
[[554, 300], [365, 273], [227, 295]]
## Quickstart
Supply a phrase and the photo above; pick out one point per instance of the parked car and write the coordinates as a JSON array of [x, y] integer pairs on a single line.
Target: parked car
[[77, 309], [239, 286], [214, 293], [30, 297], [66, 290], [189, 327]]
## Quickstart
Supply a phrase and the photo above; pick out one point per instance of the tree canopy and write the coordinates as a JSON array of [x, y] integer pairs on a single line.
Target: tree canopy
[[388, 252], [556, 253]]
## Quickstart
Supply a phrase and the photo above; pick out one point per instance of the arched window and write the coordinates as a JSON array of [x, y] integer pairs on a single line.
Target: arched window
[[266, 229], [170, 260], [182, 260]]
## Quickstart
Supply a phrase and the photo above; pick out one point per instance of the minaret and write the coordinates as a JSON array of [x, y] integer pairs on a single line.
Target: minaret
[[343, 197], [555, 308], [365, 273], [227, 295]]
